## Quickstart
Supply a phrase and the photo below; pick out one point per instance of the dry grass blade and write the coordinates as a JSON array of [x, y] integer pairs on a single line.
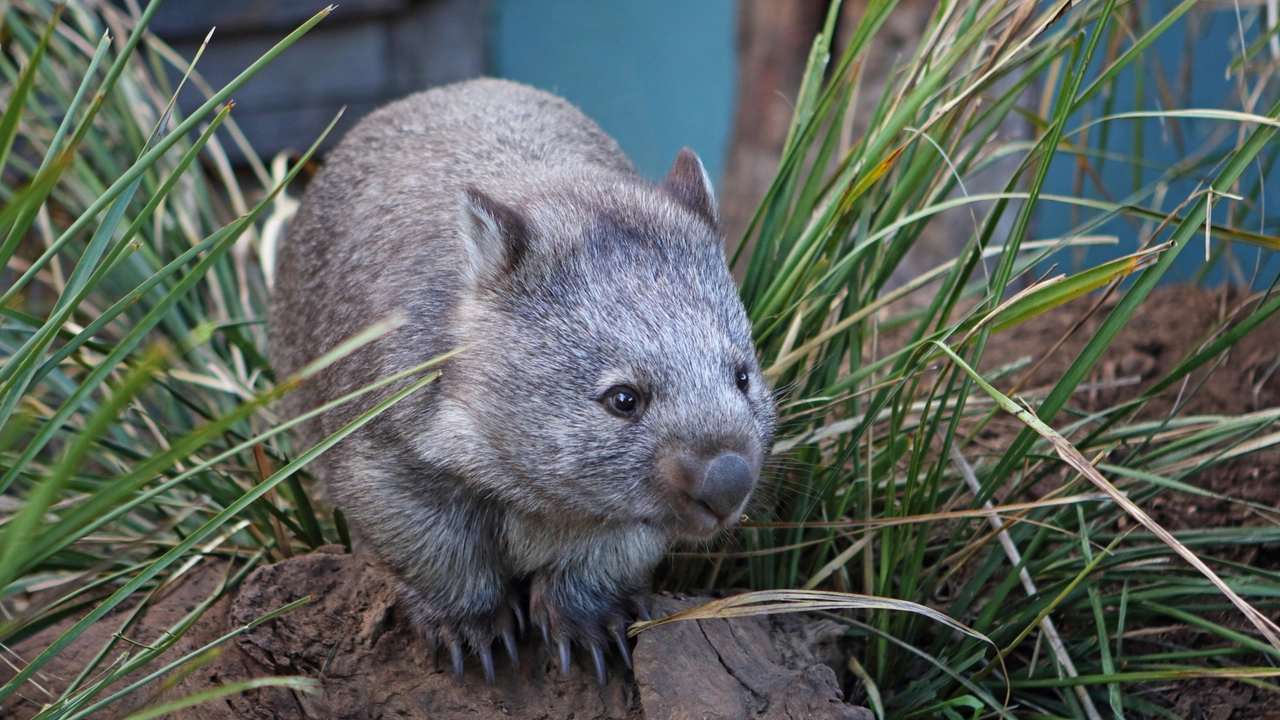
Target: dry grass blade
[[1024, 576], [774, 602], [1014, 510], [1072, 457], [839, 561]]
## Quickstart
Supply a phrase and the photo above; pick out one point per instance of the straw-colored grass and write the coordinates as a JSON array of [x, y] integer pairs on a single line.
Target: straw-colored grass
[[137, 439]]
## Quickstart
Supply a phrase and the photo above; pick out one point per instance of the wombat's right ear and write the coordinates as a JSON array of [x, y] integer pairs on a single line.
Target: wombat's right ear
[[494, 237], [688, 183]]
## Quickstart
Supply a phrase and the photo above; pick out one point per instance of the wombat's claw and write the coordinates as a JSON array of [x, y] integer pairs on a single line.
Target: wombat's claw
[[433, 646], [565, 657], [509, 641], [455, 650], [642, 610], [486, 661], [482, 650], [597, 657], [519, 613], [620, 637], [476, 632], [570, 619]]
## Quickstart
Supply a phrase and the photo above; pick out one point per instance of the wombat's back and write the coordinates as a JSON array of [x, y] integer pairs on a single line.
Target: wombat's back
[[378, 228], [606, 400]]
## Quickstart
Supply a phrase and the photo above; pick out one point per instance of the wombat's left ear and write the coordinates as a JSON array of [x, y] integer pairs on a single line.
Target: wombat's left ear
[[688, 183], [494, 237]]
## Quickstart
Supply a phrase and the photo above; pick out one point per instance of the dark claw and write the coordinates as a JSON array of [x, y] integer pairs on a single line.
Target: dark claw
[[620, 637], [597, 656], [515, 609], [433, 644], [486, 659], [564, 658], [509, 641], [643, 611], [546, 631], [455, 649]]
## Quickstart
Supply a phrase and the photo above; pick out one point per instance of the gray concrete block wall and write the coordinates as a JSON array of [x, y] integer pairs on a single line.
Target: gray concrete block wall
[[364, 54]]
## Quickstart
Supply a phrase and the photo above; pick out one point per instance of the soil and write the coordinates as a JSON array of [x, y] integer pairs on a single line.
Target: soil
[[370, 664], [1173, 322]]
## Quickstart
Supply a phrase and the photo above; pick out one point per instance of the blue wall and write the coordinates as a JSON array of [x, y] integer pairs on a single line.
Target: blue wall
[[1213, 40], [661, 74], [656, 74]]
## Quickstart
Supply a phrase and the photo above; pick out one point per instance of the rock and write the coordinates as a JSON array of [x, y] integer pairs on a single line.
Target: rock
[[754, 667]]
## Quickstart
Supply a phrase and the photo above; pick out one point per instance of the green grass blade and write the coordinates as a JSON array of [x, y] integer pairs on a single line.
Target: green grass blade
[[161, 147], [18, 98], [189, 542]]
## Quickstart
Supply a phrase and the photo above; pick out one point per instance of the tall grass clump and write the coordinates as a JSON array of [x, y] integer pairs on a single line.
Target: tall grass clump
[[884, 484], [138, 445]]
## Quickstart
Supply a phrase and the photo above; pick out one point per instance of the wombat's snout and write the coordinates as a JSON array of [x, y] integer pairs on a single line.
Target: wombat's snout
[[725, 485], [715, 487]]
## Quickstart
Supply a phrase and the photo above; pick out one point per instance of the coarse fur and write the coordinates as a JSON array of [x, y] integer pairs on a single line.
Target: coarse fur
[[499, 219]]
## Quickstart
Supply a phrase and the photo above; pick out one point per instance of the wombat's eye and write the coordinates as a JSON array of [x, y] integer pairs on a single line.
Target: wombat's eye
[[622, 401], [743, 380]]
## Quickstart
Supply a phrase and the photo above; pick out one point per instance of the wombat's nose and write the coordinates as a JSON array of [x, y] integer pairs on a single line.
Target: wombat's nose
[[726, 484]]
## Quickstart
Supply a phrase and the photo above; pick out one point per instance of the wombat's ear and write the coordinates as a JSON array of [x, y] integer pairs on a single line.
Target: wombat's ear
[[688, 183], [494, 237]]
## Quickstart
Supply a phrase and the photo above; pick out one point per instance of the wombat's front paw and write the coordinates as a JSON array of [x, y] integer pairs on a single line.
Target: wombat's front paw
[[568, 613], [478, 629]]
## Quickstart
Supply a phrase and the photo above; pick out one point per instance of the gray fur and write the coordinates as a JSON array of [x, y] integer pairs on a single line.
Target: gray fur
[[500, 218]]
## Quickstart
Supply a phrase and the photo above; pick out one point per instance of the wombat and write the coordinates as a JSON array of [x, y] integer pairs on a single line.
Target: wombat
[[606, 403]]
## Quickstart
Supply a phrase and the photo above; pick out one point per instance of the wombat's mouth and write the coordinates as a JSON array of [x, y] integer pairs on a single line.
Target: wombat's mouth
[[698, 521], [710, 490]]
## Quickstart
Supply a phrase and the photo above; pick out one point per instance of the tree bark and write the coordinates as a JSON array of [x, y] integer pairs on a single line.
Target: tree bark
[[774, 37]]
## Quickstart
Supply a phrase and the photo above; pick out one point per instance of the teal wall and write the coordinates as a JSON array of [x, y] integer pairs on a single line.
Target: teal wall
[[1213, 42], [661, 74], [656, 74]]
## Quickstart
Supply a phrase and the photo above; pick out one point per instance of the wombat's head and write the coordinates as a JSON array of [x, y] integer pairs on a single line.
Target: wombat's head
[[611, 374]]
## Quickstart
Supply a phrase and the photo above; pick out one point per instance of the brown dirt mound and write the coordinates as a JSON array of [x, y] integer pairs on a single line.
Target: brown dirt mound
[[370, 664], [1173, 322]]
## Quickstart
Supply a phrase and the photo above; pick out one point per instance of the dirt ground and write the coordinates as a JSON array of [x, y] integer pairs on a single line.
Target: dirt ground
[[371, 665], [1173, 322]]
